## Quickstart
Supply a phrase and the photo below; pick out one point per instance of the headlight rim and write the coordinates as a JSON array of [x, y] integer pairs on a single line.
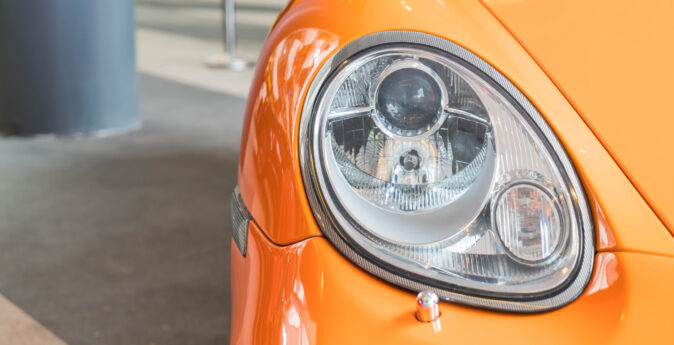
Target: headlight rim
[[325, 217]]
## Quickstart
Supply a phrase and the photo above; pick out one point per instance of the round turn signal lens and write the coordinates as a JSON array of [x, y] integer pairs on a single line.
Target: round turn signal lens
[[528, 222]]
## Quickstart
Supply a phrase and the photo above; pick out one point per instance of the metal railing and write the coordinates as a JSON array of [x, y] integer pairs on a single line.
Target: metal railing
[[229, 60]]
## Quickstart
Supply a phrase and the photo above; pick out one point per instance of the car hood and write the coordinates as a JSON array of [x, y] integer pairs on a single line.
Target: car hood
[[613, 60]]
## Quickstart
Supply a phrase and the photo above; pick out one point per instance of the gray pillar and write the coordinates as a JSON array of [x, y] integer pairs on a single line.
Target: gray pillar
[[67, 66]]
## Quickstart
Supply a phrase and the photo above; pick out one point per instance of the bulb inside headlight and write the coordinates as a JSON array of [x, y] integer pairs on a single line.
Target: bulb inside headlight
[[407, 150], [427, 173]]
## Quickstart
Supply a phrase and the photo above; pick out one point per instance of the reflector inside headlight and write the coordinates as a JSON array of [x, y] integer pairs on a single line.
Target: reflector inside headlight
[[428, 173]]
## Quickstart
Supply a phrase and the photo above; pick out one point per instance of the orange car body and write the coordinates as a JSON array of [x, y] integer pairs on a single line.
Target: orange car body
[[601, 73]]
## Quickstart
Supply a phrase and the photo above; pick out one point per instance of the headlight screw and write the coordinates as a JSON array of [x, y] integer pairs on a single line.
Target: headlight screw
[[427, 306]]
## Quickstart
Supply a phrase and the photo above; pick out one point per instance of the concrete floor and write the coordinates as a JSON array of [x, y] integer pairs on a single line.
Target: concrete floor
[[126, 239]]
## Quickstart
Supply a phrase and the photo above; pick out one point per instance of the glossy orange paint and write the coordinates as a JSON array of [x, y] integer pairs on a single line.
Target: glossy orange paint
[[294, 285], [614, 60], [311, 30], [307, 293], [268, 163]]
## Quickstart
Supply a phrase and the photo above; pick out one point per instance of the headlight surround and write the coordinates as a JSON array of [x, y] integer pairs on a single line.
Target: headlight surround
[[448, 200]]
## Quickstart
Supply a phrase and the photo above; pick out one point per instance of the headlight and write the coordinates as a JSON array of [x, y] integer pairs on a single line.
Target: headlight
[[427, 168]]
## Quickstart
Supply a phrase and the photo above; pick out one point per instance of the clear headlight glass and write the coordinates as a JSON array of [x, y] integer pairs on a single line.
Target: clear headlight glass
[[428, 173]]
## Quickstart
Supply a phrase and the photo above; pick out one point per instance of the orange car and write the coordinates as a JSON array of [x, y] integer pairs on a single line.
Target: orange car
[[458, 172]]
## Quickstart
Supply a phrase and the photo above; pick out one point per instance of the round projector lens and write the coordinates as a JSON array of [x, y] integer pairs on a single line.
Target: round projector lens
[[528, 222], [409, 101]]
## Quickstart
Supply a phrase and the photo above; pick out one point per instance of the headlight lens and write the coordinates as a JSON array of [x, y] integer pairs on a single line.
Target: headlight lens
[[427, 173], [408, 98]]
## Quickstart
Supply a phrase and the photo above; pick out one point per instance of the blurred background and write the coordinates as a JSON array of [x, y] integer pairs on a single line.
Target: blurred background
[[121, 235]]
